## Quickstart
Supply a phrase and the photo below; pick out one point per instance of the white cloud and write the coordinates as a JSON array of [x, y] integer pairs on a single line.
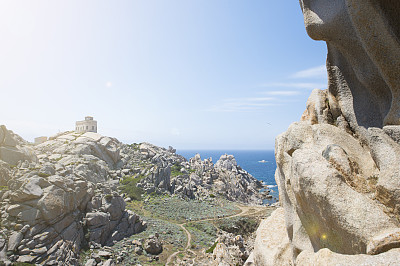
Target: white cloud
[[243, 104], [297, 85], [315, 72], [282, 93], [254, 99], [108, 84]]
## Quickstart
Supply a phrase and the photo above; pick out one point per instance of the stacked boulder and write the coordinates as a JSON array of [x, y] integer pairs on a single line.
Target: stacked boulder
[[107, 221]]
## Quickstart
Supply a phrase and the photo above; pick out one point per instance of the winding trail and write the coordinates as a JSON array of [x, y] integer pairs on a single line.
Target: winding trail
[[243, 210]]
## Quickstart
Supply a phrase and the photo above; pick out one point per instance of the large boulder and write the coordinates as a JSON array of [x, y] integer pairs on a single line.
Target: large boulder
[[272, 246], [153, 245], [338, 168]]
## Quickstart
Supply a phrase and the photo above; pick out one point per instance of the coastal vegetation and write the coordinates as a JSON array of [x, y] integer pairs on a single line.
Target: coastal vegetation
[[129, 187]]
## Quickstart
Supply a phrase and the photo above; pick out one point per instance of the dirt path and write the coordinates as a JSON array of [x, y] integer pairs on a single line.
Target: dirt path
[[189, 240], [243, 211]]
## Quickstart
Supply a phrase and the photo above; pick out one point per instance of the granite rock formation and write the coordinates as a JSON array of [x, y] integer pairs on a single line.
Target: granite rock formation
[[338, 168], [67, 193], [61, 197], [196, 178]]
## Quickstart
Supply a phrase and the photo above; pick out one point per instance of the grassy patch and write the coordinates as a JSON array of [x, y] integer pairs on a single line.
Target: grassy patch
[[203, 233], [179, 210], [43, 175], [129, 187]]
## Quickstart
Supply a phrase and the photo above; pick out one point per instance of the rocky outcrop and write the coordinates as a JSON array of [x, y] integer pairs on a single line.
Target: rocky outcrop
[[168, 172], [107, 221], [230, 250], [338, 168], [62, 201], [89, 155], [12, 148], [225, 178]]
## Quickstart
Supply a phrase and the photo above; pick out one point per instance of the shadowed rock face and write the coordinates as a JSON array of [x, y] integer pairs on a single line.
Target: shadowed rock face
[[363, 57], [338, 169]]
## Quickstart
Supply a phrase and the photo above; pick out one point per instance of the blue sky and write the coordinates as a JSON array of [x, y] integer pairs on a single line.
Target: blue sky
[[198, 74]]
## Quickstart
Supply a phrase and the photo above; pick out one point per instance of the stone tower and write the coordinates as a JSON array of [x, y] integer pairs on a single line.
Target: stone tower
[[87, 125]]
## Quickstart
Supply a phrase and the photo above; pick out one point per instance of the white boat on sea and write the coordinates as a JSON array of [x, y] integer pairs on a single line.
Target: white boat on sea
[[263, 161]]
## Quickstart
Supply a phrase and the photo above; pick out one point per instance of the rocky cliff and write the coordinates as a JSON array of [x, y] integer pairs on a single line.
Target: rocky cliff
[[338, 168]]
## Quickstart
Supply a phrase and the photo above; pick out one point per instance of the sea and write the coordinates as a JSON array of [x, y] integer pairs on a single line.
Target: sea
[[260, 164]]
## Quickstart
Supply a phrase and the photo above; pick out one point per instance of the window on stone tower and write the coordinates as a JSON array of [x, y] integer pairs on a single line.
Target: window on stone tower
[[92, 127], [87, 127]]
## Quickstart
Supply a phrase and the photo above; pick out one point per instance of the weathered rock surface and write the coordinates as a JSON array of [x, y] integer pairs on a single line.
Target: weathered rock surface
[[338, 168], [272, 246], [61, 198], [327, 257]]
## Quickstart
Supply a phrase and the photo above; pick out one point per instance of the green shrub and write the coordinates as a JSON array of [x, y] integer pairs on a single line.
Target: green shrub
[[176, 169], [43, 175], [239, 225], [211, 249], [129, 187], [134, 146]]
